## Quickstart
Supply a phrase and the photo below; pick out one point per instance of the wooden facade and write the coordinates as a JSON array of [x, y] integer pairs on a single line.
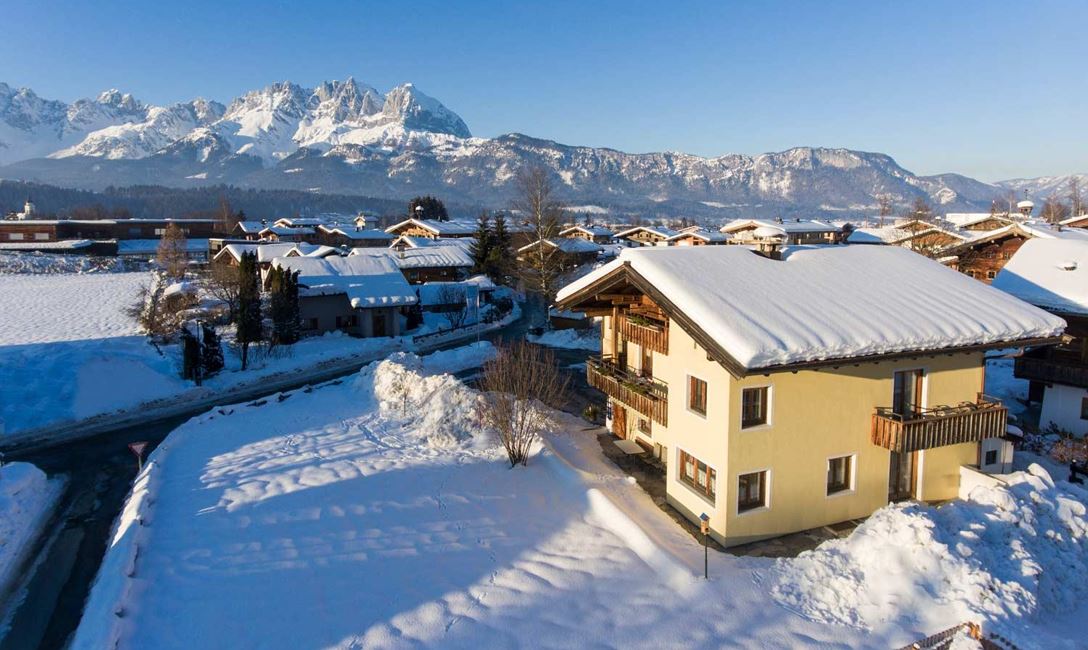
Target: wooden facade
[[40, 230], [648, 397], [984, 260], [940, 426]]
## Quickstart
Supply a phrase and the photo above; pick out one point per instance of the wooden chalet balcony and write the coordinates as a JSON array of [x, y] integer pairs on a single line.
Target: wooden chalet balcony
[[1054, 366], [646, 396], [940, 426], [646, 332]]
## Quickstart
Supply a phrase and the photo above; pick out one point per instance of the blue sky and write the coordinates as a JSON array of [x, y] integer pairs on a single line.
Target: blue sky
[[990, 89]]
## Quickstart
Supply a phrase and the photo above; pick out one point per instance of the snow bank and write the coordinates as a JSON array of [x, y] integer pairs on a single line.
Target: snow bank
[[27, 500], [437, 407], [570, 339], [1008, 554], [12, 263]]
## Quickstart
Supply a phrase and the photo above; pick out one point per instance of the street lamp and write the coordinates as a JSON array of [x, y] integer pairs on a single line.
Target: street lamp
[[704, 526]]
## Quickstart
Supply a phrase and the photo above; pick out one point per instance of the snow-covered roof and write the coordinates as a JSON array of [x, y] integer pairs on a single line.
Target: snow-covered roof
[[300, 222], [357, 233], [440, 228], [1028, 229], [251, 226], [593, 231], [150, 246], [65, 244], [483, 282], [660, 231], [794, 226], [885, 235], [303, 249], [286, 231], [569, 245], [822, 303], [269, 251], [1050, 273], [972, 219], [423, 257], [705, 235], [1071, 220], [367, 280]]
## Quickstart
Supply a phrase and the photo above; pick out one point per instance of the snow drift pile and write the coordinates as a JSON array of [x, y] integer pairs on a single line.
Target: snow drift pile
[[438, 408], [27, 498], [1009, 552]]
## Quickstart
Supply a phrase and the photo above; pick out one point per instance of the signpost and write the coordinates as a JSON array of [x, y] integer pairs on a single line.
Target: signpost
[[704, 526], [138, 449]]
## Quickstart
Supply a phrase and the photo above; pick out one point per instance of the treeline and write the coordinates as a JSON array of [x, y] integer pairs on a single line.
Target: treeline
[[157, 202]]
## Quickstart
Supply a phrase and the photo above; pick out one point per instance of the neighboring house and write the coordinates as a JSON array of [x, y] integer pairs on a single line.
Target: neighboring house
[[250, 230], [363, 295], [290, 234], [432, 229], [195, 249], [569, 251], [1053, 274], [984, 256], [46, 230], [985, 222], [788, 390], [300, 222], [427, 263], [646, 236], [699, 238], [1076, 222], [929, 239], [231, 254], [595, 234], [441, 297], [797, 231], [353, 237]]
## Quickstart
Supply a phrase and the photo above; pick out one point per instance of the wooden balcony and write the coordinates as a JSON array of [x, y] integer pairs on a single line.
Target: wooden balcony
[[940, 426], [647, 333], [1053, 368], [648, 397]]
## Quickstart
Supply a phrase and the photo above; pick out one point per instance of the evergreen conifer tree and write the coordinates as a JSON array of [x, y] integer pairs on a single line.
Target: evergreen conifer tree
[[498, 261], [249, 305], [480, 249], [283, 306]]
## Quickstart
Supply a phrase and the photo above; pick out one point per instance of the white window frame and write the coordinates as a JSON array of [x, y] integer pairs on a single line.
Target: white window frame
[[687, 400], [768, 492], [15, 236], [41, 236], [852, 489], [770, 408]]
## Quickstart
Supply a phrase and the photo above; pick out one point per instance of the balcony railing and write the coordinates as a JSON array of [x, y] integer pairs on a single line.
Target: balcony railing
[[940, 426], [1054, 368], [647, 333], [646, 396]]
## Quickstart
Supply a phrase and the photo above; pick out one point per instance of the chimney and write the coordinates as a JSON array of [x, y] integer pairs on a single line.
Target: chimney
[[769, 241]]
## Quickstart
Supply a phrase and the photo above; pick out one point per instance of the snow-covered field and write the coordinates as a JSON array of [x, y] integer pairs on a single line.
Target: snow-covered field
[[49, 263], [67, 307], [27, 499], [379, 513]]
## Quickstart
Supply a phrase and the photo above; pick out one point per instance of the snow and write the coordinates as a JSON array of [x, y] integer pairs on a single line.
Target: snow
[[1049, 273], [27, 500], [380, 513], [570, 339], [569, 245], [1008, 555], [62, 307], [810, 306], [437, 256], [368, 281], [594, 231], [439, 228], [789, 226], [34, 263], [150, 246]]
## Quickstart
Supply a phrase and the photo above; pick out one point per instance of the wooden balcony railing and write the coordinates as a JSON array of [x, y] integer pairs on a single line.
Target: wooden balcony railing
[[647, 333], [1059, 369], [940, 426], [646, 396]]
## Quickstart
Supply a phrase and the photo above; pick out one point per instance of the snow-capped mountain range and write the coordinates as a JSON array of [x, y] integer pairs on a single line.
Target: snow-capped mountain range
[[347, 137]]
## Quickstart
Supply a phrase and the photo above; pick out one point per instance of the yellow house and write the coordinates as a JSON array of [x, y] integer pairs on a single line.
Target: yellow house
[[789, 389]]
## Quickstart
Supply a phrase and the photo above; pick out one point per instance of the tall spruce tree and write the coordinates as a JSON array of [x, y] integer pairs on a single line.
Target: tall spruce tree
[[498, 260], [283, 306], [432, 208], [249, 305], [480, 249]]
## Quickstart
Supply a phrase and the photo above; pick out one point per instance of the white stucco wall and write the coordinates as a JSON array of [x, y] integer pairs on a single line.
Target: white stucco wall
[[1062, 405]]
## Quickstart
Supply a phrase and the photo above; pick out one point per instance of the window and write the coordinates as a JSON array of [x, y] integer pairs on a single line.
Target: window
[[753, 408], [697, 395], [1084, 408], [990, 275], [159, 232], [840, 474], [751, 491], [991, 457], [15, 236], [41, 236], [698, 475], [644, 427]]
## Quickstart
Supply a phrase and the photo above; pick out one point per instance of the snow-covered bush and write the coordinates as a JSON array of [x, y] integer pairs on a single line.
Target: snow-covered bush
[[1008, 552]]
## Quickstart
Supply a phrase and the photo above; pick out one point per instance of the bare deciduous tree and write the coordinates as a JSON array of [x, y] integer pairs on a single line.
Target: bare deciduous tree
[[520, 384], [173, 252], [222, 283], [157, 312], [453, 299], [1053, 210], [540, 266], [1075, 201]]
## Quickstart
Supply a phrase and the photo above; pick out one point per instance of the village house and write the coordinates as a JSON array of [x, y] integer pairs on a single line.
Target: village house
[[984, 256], [1076, 222], [595, 234], [646, 236], [915, 235], [363, 295], [783, 391], [353, 237], [1053, 274], [797, 231], [51, 230], [249, 230], [427, 263], [294, 234], [432, 229], [699, 237], [568, 252]]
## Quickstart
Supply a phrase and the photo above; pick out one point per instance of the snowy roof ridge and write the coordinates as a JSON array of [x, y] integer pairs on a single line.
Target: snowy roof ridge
[[810, 306], [1049, 273]]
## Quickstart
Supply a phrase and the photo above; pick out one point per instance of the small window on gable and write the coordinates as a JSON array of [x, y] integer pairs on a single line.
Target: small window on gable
[[754, 407], [697, 395]]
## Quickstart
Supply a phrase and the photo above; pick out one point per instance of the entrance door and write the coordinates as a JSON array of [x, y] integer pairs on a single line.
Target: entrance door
[[906, 402], [379, 324], [619, 421]]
